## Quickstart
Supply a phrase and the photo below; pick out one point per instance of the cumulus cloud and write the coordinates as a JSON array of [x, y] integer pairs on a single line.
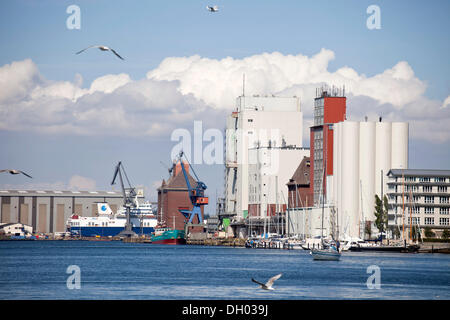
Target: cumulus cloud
[[77, 182], [183, 89], [446, 102]]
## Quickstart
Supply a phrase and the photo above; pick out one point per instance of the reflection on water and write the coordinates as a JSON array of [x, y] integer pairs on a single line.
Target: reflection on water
[[115, 270]]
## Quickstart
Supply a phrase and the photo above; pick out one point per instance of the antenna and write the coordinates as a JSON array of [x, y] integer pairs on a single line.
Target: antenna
[[243, 85]]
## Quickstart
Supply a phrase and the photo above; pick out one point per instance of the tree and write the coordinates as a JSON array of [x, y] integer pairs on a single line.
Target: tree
[[428, 233], [445, 234], [396, 232], [415, 233], [381, 216]]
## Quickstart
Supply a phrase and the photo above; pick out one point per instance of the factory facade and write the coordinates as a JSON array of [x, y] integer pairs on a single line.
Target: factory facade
[[346, 166], [364, 152], [48, 211], [261, 129]]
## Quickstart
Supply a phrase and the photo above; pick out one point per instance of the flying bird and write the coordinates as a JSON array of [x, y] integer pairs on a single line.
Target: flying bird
[[103, 48], [212, 9], [269, 283], [14, 171]]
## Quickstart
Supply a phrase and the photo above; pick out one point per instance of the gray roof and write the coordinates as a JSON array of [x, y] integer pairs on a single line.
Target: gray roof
[[57, 193], [420, 172]]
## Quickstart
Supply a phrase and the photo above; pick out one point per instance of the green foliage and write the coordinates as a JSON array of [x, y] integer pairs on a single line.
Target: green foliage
[[396, 233], [445, 234], [381, 216], [429, 233]]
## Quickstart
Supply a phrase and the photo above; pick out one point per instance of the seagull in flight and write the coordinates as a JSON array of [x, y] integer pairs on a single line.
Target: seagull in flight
[[212, 9], [269, 283], [103, 48], [14, 171]]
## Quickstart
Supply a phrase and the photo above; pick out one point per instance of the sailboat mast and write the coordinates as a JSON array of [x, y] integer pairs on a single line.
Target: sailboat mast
[[403, 204], [410, 215]]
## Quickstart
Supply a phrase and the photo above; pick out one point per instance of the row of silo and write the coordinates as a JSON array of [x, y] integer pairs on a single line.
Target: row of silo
[[361, 152]]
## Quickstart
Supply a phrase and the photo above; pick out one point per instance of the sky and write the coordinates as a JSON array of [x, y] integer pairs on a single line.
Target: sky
[[67, 119]]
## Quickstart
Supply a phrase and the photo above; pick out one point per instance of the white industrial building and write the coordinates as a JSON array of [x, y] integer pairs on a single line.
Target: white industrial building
[[268, 171], [259, 123], [363, 154]]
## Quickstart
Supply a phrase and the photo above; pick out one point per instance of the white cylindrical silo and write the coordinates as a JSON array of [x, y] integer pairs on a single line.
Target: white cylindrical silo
[[399, 155], [367, 170], [350, 177], [339, 179], [382, 154], [335, 163]]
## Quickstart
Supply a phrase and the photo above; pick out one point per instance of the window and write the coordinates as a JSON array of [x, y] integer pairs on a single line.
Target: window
[[416, 210], [250, 120], [429, 220], [439, 179], [424, 179], [444, 221], [429, 210], [443, 210], [429, 199], [427, 188], [415, 220], [443, 199], [442, 189]]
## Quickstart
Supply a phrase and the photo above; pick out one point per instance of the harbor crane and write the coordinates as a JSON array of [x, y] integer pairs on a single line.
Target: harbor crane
[[196, 194], [128, 200]]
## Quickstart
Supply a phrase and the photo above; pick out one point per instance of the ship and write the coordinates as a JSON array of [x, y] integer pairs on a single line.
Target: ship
[[110, 224], [165, 235]]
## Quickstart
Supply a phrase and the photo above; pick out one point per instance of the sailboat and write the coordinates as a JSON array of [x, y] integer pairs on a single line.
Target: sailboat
[[331, 253]]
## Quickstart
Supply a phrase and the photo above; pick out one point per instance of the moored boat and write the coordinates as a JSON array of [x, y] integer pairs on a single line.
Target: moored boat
[[165, 235], [108, 224]]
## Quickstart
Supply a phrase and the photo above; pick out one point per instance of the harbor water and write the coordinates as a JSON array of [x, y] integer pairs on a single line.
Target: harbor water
[[117, 270]]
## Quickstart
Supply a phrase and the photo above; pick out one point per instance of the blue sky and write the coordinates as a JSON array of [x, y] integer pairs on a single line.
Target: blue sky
[[147, 32]]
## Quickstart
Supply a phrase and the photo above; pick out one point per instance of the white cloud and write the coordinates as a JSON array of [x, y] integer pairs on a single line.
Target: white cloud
[[218, 82], [183, 89], [77, 182], [446, 102]]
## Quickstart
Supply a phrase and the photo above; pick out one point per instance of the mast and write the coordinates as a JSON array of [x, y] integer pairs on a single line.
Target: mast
[[323, 207], [403, 204], [410, 215], [362, 213]]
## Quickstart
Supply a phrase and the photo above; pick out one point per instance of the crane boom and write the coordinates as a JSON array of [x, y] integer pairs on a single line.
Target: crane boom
[[196, 196], [127, 199]]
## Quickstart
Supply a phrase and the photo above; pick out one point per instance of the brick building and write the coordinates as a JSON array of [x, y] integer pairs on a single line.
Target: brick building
[[299, 192], [172, 196], [329, 108]]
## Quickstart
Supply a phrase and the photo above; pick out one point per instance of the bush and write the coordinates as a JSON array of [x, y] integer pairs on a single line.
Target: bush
[[445, 234], [428, 233]]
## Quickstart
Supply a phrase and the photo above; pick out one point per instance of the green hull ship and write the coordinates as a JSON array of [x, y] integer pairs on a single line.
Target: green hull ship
[[168, 236]]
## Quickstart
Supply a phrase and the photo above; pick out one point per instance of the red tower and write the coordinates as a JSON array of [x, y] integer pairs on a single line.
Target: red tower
[[329, 108]]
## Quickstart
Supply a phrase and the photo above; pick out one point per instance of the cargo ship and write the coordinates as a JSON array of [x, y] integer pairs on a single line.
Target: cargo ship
[[108, 224], [165, 235]]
